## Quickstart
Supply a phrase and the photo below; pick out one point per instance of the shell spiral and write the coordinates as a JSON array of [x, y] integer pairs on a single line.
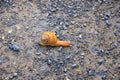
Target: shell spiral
[[48, 38]]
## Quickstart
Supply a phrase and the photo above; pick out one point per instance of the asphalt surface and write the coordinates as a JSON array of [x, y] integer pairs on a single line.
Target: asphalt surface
[[92, 27]]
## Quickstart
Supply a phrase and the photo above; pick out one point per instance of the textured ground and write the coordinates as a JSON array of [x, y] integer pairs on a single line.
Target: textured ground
[[92, 26]]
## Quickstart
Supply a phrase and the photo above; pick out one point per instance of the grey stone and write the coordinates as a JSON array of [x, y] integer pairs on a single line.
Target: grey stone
[[101, 1], [100, 61], [15, 75], [74, 66], [14, 47], [49, 61], [112, 46], [105, 17], [91, 72], [60, 48], [101, 52], [116, 33], [108, 23], [64, 27], [65, 70], [1, 61], [71, 74]]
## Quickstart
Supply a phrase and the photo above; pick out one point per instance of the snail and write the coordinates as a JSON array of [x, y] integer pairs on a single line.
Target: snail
[[49, 39]]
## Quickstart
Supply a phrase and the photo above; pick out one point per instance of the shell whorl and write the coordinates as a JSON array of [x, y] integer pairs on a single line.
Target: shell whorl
[[45, 39], [48, 38]]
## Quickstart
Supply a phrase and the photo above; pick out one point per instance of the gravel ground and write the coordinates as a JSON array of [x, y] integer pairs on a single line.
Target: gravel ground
[[92, 27]]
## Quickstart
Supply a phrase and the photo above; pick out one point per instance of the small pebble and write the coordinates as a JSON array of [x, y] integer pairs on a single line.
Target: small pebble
[[80, 36], [64, 27], [105, 17], [71, 74], [14, 47], [49, 61], [10, 77], [57, 71], [66, 78], [15, 75], [53, 9], [61, 23], [97, 22], [60, 48], [78, 45], [116, 33], [100, 61], [65, 70], [82, 54], [10, 31], [74, 66], [17, 27], [94, 49], [3, 37], [73, 22], [38, 53], [95, 32], [108, 23], [101, 52], [1, 61], [91, 72], [101, 1], [113, 46]]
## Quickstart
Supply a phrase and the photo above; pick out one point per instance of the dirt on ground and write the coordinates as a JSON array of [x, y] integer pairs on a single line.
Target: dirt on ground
[[91, 26]]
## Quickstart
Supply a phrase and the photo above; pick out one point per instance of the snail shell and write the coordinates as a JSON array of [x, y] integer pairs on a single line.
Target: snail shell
[[48, 38]]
